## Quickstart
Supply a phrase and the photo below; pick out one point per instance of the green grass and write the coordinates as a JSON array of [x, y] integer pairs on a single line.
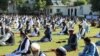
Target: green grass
[[51, 45]]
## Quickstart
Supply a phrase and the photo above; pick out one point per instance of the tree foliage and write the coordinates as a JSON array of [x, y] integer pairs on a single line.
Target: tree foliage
[[22, 7], [65, 1], [3, 4], [40, 4], [48, 2], [95, 5], [24, 10], [80, 2]]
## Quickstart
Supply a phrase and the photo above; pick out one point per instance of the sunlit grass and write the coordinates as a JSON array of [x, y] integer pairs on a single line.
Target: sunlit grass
[[51, 45]]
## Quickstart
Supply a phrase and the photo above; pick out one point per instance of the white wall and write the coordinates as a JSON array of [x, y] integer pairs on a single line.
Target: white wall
[[86, 9], [62, 9], [81, 10]]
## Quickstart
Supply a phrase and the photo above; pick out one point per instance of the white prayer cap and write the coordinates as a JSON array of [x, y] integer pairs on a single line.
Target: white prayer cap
[[71, 29], [35, 46], [7, 27], [48, 24]]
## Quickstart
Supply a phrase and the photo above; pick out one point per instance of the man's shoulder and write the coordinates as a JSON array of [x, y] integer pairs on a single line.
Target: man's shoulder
[[92, 44], [42, 54]]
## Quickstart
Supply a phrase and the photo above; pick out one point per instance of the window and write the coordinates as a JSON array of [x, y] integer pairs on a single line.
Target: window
[[75, 12], [68, 12], [50, 10], [58, 10]]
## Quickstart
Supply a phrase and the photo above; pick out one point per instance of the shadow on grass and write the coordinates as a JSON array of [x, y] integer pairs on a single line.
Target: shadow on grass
[[58, 42], [94, 37], [50, 50]]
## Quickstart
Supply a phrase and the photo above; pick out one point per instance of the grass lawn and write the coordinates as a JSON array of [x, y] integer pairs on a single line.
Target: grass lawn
[[51, 45]]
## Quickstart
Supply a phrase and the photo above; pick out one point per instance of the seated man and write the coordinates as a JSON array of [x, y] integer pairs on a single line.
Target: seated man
[[20, 25], [28, 28], [81, 33], [35, 32], [35, 49], [53, 24], [70, 24], [72, 42], [93, 23], [97, 35], [90, 48], [47, 33], [11, 40], [24, 47], [64, 29], [61, 51], [8, 38]]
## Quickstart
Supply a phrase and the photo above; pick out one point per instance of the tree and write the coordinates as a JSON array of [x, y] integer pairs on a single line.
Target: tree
[[88, 1], [19, 2], [48, 2], [95, 5], [3, 4], [23, 7], [65, 1], [40, 4], [24, 10], [80, 2]]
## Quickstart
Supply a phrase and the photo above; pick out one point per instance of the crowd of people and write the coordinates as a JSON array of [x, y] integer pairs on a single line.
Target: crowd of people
[[29, 26]]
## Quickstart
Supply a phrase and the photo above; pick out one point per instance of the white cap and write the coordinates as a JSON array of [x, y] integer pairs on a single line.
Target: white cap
[[35, 46], [48, 24]]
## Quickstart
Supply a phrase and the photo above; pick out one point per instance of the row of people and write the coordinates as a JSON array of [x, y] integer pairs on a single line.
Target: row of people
[[66, 29]]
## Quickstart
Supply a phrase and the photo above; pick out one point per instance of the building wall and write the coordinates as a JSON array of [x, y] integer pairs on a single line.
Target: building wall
[[54, 10], [81, 10], [86, 9]]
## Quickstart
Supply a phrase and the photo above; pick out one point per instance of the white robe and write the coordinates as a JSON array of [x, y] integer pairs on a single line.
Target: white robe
[[70, 25], [19, 51], [31, 22], [34, 33], [5, 38]]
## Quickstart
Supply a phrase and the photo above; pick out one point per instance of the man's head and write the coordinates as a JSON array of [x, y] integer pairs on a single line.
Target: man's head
[[87, 41], [47, 25], [7, 29], [61, 51], [71, 31], [35, 48]]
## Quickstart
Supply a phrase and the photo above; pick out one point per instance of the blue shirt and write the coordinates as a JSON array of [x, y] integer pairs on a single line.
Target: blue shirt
[[90, 50]]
